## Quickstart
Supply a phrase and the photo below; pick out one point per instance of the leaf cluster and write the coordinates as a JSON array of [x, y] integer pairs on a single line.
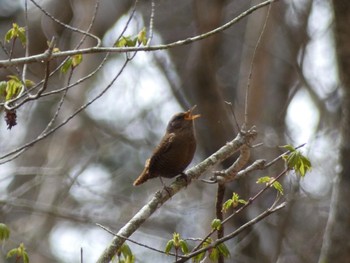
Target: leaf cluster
[[4, 232], [16, 32], [132, 41], [177, 243], [71, 63], [19, 253], [297, 161], [125, 255], [271, 181], [233, 202], [213, 253]]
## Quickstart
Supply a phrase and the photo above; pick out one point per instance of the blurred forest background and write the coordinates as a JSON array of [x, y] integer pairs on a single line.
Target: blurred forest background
[[52, 195]]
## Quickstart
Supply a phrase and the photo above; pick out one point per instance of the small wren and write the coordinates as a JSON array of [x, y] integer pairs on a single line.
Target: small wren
[[175, 151]]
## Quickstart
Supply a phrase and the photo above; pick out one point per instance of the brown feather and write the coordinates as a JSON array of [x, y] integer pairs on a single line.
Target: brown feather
[[175, 151], [144, 176]]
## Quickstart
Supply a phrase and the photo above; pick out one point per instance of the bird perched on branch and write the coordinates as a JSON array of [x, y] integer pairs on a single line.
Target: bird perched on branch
[[175, 151]]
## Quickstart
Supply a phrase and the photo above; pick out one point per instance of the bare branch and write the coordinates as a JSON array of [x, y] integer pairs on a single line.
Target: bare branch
[[38, 58], [251, 68], [137, 243], [151, 23], [98, 40], [64, 213]]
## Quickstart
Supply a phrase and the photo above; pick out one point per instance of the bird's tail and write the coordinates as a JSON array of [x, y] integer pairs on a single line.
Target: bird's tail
[[144, 176]]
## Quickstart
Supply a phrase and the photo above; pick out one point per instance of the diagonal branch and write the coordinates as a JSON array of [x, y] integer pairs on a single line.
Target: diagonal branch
[[252, 222], [164, 195]]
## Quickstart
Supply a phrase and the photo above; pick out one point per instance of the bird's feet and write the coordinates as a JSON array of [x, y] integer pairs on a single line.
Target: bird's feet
[[166, 188], [183, 177]]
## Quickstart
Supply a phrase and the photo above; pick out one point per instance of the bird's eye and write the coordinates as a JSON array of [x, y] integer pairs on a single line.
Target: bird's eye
[[176, 121], [178, 118]]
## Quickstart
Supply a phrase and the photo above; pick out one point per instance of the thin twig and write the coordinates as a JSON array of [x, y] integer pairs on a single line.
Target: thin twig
[[128, 21], [281, 155], [251, 68], [60, 103], [249, 202], [40, 57], [252, 222], [135, 242], [44, 85], [98, 40], [57, 91], [233, 114], [58, 212], [25, 66], [93, 18], [151, 23], [83, 107], [8, 55]]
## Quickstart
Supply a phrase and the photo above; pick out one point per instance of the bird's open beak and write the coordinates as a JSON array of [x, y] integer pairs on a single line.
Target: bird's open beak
[[189, 116]]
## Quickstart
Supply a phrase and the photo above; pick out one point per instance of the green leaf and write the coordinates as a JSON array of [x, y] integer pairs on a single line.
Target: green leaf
[[184, 246], [126, 251], [126, 42], [263, 180], [8, 35], [227, 205], [22, 36], [289, 148], [121, 42], [13, 88], [125, 254], [176, 239], [222, 248], [14, 77], [67, 65], [207, 242], [19, 253], [4, 232], [278, 187], [169, 246], [71, 62], [76, 60], [177, 243], [298, 162], [213, 254], [16, 32], [199, 257], [141, 37], [216, 224], [267, 180], [3, 85], [233, 202], [25, 257], [29, 83]]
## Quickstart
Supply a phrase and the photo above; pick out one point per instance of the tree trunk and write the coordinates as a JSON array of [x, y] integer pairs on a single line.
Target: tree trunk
[[336, 245]]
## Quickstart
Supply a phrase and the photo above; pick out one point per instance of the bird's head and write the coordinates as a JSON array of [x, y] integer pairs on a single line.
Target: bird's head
[[182, 120]]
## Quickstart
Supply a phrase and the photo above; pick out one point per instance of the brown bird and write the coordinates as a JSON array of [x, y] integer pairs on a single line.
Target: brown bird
[[175, 151]]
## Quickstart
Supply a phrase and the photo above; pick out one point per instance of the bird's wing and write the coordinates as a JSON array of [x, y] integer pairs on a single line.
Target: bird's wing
[[165, 145]]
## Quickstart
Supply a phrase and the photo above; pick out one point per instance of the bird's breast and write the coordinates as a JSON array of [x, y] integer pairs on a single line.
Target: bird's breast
[[176, 159]]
